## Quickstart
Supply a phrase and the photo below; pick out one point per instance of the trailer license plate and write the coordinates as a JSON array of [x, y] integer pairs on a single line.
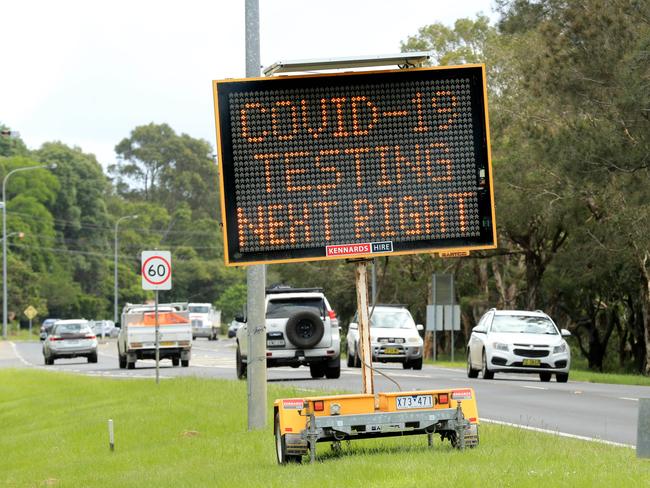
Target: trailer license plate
[[414, 401], [168, 343], [391, 350], [275, 342], [532, 362]]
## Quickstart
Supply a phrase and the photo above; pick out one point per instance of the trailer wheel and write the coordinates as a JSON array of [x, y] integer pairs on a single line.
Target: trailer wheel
[[176, 361], [281, 447], [185, 363]]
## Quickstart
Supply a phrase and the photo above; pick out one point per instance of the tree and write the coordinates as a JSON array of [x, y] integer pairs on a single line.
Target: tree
[[157, 165]]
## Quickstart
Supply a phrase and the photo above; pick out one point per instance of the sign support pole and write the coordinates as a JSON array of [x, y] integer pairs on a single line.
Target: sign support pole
[[365, 352], [256, 274], [157, 339]]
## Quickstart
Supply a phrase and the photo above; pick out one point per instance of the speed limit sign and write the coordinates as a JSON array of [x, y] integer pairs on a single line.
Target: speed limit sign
[[156, 270]]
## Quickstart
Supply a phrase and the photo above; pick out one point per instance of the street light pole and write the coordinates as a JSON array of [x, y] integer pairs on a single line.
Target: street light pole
[[4, 240], [117, 223]]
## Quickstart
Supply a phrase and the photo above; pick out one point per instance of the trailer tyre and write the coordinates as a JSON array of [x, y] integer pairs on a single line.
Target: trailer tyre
[[281, 447], [185, 363], [305, 329], [176, 361]]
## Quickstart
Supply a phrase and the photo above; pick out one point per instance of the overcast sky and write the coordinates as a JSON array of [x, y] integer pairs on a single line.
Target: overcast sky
[[86, 72]]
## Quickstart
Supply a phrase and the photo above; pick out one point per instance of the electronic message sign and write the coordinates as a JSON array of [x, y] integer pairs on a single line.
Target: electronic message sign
[[354, 165]]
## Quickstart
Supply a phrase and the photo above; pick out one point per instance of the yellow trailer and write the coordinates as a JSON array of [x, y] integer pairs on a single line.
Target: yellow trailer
[[300, 423]]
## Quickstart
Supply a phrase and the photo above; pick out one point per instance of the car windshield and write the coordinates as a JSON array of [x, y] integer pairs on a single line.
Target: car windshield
[[525, 324], [397, 318], [199, 309], [281, 308], [71, 329]]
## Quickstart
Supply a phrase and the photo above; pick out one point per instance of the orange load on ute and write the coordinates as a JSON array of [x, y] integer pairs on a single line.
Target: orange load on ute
[[164, 318]]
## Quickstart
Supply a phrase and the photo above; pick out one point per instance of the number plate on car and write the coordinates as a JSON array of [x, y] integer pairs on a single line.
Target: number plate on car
[[275, 342], [414, 401], [391, 350], [532, 362]]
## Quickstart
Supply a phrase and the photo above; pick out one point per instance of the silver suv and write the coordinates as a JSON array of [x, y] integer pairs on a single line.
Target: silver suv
[[301, 330]]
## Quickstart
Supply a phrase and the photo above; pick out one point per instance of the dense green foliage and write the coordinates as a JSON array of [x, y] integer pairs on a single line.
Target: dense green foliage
[[569, 95]]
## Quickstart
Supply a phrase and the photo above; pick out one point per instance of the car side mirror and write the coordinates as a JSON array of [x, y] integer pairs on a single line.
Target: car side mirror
[[240, 318], [565, 333], [354, 325], [419, 327]]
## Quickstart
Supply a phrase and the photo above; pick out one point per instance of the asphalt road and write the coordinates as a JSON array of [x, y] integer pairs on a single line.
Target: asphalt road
[[604, 412]]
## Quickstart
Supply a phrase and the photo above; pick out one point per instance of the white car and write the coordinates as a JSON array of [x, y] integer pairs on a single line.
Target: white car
[[394, 338], [519, 342]]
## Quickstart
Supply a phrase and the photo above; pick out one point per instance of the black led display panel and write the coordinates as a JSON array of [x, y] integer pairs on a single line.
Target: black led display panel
[[356, 164]]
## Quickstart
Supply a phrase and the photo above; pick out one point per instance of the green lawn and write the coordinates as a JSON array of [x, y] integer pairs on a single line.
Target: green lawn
[[192, 432]]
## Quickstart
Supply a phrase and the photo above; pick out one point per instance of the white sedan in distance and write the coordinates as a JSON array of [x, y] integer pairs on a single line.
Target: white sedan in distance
[[518, 341]]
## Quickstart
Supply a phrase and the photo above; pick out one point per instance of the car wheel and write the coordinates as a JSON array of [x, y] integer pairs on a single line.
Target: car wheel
[[485, 371], [406, 364], [193, 337], [176, 361], [357, 359], [48, 361], [350, 360], [416, 363], [333, 370], [317, 370], [130, 365], [545, 376], [471, 372], [92, 358], [121, 361], [561, 377], [305, 329], [185, 363], [280, 445], [241, 366]]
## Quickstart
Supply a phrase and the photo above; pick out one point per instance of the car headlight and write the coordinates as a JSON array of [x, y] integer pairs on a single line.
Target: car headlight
[[561, 348], [413, 340], [500, 346]]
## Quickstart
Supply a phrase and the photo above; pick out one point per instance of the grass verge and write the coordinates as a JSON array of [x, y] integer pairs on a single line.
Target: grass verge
[[192, 432]]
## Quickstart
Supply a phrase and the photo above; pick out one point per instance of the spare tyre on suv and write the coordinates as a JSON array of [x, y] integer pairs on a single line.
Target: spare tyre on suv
[[301, 330]]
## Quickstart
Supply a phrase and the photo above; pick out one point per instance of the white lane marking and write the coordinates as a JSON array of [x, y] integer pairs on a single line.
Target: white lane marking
[[19, 356], [628, 398], [534, 387], [556, 432]]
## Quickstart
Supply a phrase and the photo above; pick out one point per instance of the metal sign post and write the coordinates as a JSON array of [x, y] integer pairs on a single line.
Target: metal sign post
[[157, 329], [156, 273], [361, 274]]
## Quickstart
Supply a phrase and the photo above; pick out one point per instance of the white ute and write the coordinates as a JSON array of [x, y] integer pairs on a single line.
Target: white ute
[[137, 339]]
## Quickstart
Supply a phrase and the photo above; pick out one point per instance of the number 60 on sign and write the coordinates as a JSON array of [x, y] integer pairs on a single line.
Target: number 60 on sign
[[156, 270]]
